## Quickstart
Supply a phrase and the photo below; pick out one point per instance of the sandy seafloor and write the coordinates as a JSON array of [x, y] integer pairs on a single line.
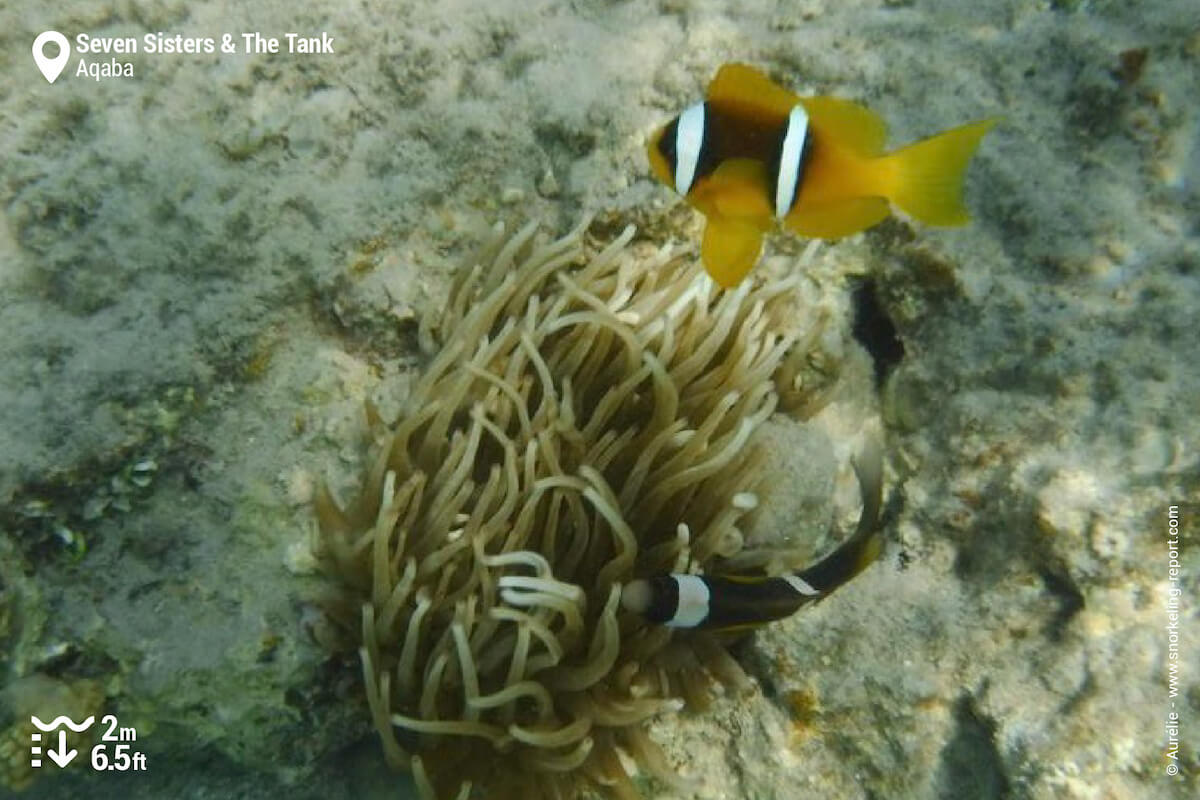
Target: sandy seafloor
[[204, 268]]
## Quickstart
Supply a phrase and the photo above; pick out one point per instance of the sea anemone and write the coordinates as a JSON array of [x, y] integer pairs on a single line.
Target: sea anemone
[[588, 419]]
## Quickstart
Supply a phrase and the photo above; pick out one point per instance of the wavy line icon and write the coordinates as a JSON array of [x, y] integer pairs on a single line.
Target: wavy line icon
[[62, 720]]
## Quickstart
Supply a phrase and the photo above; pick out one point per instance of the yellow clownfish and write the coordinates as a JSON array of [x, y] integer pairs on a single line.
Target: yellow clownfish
[[753, 153]]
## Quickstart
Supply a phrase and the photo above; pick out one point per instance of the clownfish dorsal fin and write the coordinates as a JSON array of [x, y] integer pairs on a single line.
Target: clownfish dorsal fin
[[851, 125], [744, 87]]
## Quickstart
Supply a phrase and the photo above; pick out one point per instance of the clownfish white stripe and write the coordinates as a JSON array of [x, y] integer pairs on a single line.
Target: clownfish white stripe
[[692, 607], [802, 586], [689, 140], [789, 160]]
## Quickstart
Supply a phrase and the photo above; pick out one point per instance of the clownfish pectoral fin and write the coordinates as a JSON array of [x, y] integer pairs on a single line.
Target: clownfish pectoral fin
[[737, 188], [928, 177], [851, 125], [742, 86], [730, 249], [838, 218]]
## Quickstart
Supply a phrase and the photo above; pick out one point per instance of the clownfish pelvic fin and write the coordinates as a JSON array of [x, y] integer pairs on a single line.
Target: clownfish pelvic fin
[[738, 215], [730, 249]]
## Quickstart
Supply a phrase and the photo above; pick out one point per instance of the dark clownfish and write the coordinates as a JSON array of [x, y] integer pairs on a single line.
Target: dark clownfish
[[753, 154], [740, 602]]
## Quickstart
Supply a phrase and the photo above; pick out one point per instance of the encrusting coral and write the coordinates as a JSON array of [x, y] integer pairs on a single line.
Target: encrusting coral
[[589, 419]]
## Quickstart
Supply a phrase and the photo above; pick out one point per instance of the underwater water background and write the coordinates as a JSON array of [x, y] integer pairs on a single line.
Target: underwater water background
[[207, 264]]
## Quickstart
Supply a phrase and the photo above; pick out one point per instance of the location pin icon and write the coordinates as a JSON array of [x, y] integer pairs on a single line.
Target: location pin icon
[[51, 67]]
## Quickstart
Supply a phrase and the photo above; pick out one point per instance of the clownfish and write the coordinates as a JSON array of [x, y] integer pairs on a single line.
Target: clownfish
[[731, 603], [753, 154]]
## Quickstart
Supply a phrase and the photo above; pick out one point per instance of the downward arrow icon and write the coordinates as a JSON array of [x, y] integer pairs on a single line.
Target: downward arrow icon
[[62, 756]]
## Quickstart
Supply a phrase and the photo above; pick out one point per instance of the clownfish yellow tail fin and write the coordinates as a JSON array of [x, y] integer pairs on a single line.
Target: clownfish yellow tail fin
[[928, 177]]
